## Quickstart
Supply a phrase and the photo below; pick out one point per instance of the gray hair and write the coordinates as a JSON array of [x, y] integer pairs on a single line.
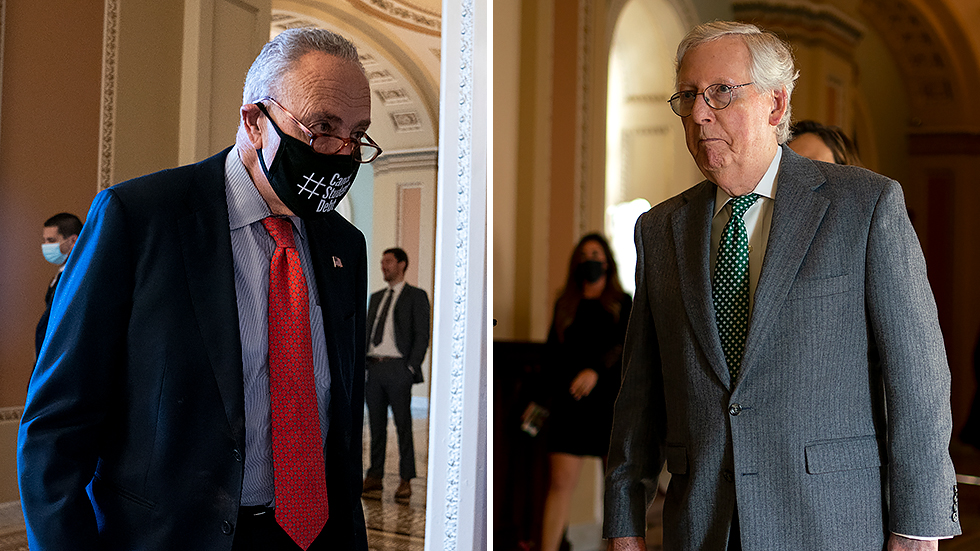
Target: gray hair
[[772, 60], [278, 56]]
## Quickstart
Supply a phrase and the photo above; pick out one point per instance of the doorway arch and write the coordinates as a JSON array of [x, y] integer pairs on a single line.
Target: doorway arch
[[646, 156]]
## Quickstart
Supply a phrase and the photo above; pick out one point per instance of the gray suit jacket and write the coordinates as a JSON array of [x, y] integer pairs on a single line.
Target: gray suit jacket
[[836, 431]]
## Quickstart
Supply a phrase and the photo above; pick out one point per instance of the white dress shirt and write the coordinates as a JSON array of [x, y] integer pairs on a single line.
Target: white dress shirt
[[758, 220], [388, 348]]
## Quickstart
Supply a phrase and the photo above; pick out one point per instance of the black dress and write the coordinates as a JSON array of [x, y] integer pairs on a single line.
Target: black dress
[[593, 340]]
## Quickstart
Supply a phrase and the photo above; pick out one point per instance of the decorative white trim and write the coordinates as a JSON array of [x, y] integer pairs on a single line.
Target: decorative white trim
[[107, 110], [456, 512], [403, 14], [406, 159], [460, 280]]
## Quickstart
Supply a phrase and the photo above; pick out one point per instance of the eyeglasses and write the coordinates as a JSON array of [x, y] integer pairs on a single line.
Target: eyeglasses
[[364, 149], [717, 96]]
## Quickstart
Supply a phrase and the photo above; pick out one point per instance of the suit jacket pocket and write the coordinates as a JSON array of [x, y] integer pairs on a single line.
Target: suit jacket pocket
[[122, 492], [812, 288], [845, 454], [676, 459]]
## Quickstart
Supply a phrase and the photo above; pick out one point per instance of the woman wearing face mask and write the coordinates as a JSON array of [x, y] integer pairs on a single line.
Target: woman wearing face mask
[[585, 352]]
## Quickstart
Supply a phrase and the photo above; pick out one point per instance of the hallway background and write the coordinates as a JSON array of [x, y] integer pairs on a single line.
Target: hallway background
[[584, 141], [94, 93]]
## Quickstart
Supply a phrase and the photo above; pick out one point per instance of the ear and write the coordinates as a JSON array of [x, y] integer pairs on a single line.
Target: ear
[[251, 115], [779, 105]]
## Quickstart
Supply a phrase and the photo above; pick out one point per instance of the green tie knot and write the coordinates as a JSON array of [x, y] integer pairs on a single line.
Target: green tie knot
[[742, 204]]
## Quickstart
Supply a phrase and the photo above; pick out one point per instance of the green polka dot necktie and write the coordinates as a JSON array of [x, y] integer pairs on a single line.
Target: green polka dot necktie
[[730, 284]]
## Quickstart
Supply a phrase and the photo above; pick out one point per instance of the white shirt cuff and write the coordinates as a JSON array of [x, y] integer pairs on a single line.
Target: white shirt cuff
[[921, 538]]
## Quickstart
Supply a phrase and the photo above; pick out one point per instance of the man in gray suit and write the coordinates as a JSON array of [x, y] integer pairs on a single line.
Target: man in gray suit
[[785, 361], [398, 325]]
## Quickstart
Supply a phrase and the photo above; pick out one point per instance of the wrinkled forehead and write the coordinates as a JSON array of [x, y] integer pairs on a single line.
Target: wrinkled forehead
[[321, 83]]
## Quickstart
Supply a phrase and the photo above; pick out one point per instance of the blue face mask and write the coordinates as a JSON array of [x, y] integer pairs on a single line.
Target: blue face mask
[[52, 253]]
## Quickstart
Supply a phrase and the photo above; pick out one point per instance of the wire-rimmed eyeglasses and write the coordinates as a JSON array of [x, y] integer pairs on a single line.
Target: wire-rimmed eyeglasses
[[717, 96], [363, 147]]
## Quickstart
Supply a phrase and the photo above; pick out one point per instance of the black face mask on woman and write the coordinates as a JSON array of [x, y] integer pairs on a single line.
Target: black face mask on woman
[[310, 184], [589, 271]]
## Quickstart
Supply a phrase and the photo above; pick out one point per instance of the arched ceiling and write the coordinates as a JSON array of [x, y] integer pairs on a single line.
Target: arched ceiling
[[935, 59], [400, 47]]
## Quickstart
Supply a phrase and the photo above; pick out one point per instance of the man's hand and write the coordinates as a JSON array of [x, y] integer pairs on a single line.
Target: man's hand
[[899, 543], [583, 383], [626, 544]]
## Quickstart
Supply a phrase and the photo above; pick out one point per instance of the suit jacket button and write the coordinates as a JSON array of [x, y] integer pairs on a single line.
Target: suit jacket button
[[735, 409], [238, 456], [227, 528]]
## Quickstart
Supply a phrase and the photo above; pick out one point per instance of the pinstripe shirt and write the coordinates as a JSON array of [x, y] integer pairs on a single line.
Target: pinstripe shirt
[[252, 248]]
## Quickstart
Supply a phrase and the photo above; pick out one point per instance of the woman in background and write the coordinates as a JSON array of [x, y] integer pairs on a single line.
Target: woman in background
[[823, 143], [585, 348]]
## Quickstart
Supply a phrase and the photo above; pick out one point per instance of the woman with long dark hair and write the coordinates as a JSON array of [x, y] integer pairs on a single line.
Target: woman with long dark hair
[[585, 348]]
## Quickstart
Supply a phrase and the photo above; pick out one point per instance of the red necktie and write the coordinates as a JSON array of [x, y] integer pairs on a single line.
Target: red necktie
[[297, 445]]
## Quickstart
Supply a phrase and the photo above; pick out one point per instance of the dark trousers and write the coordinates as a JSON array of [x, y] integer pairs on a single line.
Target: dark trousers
[[389, 382], [735, 536], [257, 530]]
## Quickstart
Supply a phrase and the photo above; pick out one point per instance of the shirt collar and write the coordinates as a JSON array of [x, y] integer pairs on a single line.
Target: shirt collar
[[245, 204], [766, 186], [397, 288]]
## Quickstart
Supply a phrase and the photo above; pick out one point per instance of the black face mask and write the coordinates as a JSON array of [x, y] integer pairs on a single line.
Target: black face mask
[[310, 184], [590, 271]]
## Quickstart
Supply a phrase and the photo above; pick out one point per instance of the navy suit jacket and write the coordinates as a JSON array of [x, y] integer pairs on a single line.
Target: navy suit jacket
[[133, 436], [42, 324]]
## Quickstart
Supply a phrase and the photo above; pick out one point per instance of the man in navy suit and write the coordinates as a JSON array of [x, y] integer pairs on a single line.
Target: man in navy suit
[[60, 233], [398, 323], [151, 419]]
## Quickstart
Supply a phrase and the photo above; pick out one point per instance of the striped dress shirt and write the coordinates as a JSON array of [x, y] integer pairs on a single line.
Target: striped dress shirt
[[252, 249]]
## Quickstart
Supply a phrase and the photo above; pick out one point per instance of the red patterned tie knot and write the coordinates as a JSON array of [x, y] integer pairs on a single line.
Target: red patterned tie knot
[[281, 229]]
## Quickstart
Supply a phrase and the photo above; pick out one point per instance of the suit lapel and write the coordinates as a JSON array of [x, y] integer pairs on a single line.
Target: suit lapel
[[209, 269], [692, 231], [331, 287], [402, 314], [373, 305], [797, 213]]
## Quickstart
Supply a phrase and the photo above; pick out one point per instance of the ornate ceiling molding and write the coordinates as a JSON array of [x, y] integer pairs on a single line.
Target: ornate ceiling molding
[[924, 58], [404, 14], [805, 22], [401, 161]]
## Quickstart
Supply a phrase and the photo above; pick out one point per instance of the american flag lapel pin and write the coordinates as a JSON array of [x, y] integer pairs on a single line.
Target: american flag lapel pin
[[337, 263]]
